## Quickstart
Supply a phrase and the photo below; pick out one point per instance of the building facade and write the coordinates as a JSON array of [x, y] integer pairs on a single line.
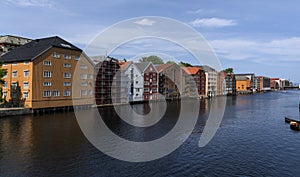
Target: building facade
[[169, 80], [41, 73], [107, 84], [150, 80], [194, 81], [243, 84], [211, 77], [263, 83], [230, 84]]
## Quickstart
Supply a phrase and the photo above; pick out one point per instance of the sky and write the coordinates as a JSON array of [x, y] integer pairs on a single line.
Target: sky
[[257, 36]]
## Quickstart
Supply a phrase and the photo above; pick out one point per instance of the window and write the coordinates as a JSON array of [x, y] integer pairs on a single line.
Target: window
[[67, 93], [136, 82], [90, 92], [26, 73], [137, 89], [146, 90], [4, 94], [68, 57], [5, 85], [56, 55], [67, 75], [47, 74], [14, 95], [90, 76], [5, 75], [84, 76], [26, 62], [25, 85], [84, 84], [4, 65], [47, 63], [46, 84], [83, 66], [77, 58], [55, 93], [14, 74], [14, 64], [46, 93], [25, 94], [67, 83], [83, 92], [67, 65]]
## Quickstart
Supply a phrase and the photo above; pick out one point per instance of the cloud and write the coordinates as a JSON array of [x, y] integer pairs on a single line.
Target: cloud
[[199, 11], [31, 3], [276, 50], [213, 22], [145, 22]]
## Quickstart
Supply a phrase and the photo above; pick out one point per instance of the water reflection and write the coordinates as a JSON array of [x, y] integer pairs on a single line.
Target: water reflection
[[252, 140]]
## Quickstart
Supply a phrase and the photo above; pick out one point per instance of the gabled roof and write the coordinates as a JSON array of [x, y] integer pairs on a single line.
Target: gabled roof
[[35, 48], [162, 67], [142, 66], [191, 70], [124, 65]]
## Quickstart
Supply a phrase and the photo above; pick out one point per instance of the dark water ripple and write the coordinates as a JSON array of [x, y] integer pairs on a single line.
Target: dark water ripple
[[253, 140]]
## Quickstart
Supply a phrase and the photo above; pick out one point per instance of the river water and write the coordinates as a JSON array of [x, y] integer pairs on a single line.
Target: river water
[[252, 140]]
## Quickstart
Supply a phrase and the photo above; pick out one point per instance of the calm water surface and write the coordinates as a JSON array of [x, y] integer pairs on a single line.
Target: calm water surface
[[253, 140]]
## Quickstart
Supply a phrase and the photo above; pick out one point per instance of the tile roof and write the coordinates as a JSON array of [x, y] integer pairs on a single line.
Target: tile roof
[[162, 67], [191, 70], [35, 48], [124, 65]]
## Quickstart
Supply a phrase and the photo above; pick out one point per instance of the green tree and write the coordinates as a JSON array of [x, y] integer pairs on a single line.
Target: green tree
[[228, 70], [184, 64], [154, 59], [3, 73], [170, 62]]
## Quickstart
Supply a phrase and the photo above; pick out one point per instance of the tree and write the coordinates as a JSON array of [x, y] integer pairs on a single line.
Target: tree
[[170, 62], [228, 70], [3, 73], [184, 64], [154, 59]]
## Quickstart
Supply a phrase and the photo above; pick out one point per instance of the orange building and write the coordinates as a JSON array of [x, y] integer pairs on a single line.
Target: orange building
[[41, 74], [243, 84]]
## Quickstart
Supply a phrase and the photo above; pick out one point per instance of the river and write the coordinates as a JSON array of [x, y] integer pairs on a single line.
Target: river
[[252, 140]]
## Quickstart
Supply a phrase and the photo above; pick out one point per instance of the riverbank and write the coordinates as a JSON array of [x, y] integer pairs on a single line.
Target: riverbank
[[5, 112]]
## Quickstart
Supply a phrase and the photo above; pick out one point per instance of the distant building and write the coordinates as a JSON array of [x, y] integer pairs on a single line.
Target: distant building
[[41, 72], [230, 84], [243, 84], [169, 80], [149, 75], [275, 84], [252, 80], [221, 83], [9, 42], [193, 81], [125, 81], [211, 80], [107, 86], [263, 83]]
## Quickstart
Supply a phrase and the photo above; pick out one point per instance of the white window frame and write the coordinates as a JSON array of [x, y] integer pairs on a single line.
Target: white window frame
[[47, 63], [67, 65], [67, 75], [77, 57], [48, 93], [26, 71], [67, 57], [16, 73], [26, 62], [83, 92], [83, 76], [25, 93], [56, 55], [47, 84], [83, 67], [47, 74], [27, 83], [68, 93], [67, 84], [55, 93], [84, 84]]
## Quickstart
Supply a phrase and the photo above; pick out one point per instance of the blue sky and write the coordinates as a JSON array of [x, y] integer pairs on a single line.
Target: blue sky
[[260, 36]]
